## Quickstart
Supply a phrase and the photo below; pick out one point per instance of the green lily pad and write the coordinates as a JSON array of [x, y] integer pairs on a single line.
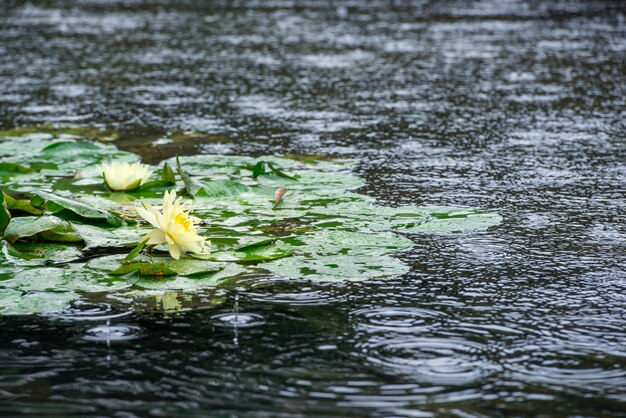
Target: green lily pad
[[13, 302], [20, 205], [72, 277], [55, 203], [47, 228], [222, 188], [186, 283], [333, 268], [96, 237], [145, 268], [33, 253]]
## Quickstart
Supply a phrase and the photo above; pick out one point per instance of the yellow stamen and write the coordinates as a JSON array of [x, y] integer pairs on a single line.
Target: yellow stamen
[[181, 219]]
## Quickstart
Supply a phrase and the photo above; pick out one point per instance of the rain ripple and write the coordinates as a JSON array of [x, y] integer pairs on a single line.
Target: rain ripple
[[402, 320], [438, 361], [86, 311]]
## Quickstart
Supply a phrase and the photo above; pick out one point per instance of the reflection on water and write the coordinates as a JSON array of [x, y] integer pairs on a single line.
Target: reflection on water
[[507, 106]]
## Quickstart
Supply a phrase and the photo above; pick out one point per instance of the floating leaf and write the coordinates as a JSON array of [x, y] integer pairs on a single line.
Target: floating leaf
[[194, 268], [13, 302], [20, 205], [255, 243], [253, 253], [96, 237], [32, 253], [9, 167], [223, 188], [144, 268], [49, 228], [337, 267], [55, 203], [72, 277], [452, 220], [332, 242], [193, 283]]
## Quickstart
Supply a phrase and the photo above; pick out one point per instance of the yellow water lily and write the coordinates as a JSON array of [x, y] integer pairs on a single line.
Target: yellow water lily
[[125, 176], [174, 226]]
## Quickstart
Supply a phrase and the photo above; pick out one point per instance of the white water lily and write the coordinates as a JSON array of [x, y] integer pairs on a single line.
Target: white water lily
[[174, 226], [125, 176]]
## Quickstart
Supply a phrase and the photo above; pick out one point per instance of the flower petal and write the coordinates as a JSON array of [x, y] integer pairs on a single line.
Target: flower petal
[[156, 237], [148, 216], [172, 247]]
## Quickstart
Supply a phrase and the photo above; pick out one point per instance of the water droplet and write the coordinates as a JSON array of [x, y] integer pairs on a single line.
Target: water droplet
[[112, 333], [237, 320]]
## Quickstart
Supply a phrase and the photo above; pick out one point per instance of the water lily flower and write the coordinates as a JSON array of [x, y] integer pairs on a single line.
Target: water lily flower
[[125, 176], [174, 226]]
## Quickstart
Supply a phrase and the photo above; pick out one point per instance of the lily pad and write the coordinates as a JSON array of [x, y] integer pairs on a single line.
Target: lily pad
[[55, 203], [319, 230], [72, 277], [187, 283], [13, 302], [47, 228], [334, 268]]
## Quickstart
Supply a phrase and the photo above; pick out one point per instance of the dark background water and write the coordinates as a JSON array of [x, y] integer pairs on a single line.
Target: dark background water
[[512, 106]]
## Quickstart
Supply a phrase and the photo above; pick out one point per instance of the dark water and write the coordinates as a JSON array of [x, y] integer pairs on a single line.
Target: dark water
[[513, 106]]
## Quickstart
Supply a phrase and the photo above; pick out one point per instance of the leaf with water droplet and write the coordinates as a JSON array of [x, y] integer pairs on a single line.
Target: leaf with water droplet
[[13, 302], [48, 228]]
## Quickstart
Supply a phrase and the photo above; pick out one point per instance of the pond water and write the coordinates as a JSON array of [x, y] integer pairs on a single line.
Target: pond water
[[512, 107]]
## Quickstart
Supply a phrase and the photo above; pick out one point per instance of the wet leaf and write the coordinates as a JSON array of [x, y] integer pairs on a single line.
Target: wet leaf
[[71, 277], [97, 237], [21, 205], [167, 174], [191, 185], [48, 228], [5, 215], [13, 302], [222, 188], [185, 283], [144, 268], [8, 167], [337, 267], [267, 168], [55, 203]]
